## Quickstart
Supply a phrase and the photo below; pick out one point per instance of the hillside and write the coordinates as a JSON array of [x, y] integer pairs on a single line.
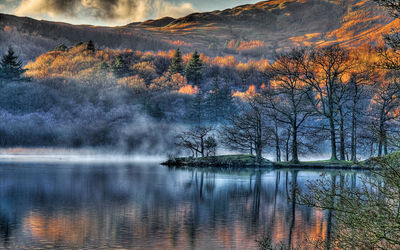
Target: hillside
[[283, 23], [249, 30]]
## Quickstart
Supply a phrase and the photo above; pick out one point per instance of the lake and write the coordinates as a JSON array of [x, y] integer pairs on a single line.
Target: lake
[[148, 206]]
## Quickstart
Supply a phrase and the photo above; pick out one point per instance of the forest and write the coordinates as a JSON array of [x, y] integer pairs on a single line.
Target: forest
[[342, 100]]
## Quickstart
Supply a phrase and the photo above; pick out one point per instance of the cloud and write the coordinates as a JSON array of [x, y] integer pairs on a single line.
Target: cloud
[[106, 11], [172, 10], [49, 7]]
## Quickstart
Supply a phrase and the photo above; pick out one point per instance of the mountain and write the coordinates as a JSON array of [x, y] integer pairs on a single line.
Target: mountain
[[284, 23], [249, 30]]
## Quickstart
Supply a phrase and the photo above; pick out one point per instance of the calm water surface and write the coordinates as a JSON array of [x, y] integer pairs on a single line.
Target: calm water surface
[[152, 207]]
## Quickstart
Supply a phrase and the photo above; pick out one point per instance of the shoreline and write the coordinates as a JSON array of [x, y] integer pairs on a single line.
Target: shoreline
[[248, 161]]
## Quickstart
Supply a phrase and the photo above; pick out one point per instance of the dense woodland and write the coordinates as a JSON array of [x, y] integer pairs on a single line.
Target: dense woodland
[[339, 99]]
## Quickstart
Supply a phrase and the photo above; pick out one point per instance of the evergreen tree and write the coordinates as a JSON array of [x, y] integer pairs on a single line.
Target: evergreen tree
[[193, 69], [78, 44], [176, 63], [213, 103], [227, 106], [219, 102], [103, 67], [90, 47], [213, 46], [119, 67], [196, 110], [61, 47], [11, 66]]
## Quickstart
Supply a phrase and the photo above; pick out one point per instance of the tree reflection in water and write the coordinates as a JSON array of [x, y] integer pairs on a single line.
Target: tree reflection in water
[[146, 206]]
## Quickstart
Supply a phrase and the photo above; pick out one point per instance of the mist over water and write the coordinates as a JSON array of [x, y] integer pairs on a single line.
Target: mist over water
[[102, 155], [82, 156], [148, 206]]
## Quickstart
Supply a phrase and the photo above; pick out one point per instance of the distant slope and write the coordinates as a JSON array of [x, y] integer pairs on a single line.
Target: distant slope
[[285, 23], [274, 25], [32, 37]]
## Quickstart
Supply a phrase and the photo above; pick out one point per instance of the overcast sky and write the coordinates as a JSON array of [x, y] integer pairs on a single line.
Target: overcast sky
[[111, 12]]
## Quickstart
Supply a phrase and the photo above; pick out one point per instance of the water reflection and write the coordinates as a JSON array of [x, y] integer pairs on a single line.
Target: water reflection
[[154, 207]]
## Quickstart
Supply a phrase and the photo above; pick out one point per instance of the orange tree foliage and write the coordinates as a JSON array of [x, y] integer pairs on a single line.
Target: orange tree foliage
[[146, 70], [250, 45], [250, 92], [245, 45], [179, 43], [227, 61], [174, 82], [189, 90], [75, 63], [133, 82]]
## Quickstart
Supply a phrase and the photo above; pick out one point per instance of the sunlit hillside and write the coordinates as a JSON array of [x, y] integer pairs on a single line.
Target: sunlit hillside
[[284, 23], [249, 31]]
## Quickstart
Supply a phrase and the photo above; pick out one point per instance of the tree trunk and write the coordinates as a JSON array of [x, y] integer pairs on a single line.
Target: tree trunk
[[342, 141], [371, 152], [202, 146], [381, 132], [287, 145], [385, 144], [354, 136], [381, 138], [295, 157], [278, 153], [380, 147], [258, 153], [354, 124], [278, 150], [258, 144], [333, 138]]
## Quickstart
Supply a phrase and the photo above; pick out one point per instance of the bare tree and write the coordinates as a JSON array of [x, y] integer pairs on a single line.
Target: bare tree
[[211, 146], [196, 140], [288, 96], [384, 108], [361, 78], [246, 129], [356, 93], [323, 70], [276, 134]]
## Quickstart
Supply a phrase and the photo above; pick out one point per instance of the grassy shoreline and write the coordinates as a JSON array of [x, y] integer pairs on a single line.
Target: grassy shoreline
[[223, 161], [249, 161]]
